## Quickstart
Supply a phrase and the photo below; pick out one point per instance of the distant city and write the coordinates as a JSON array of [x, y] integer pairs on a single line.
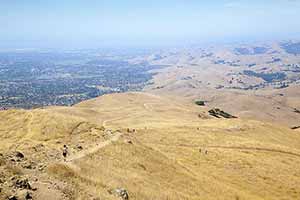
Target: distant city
[[31, 79], [36, 78]]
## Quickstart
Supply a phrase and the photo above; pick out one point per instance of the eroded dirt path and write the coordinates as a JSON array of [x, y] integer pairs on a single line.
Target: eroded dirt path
[[255, 149], [234, 148], [95, 148]]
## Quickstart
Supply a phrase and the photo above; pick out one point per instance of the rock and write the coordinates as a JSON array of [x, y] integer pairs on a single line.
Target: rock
[[41, 167], [131, 130], [12, 198], [128, 142], [121, 193], [19, 155], [38, 147], [79, 147], [23, 195], [109, 132], [16, 157], [23, 184], [28, 196], [29, 165]]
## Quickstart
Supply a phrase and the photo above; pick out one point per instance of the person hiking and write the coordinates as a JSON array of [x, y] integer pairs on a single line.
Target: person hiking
[[65, 152]]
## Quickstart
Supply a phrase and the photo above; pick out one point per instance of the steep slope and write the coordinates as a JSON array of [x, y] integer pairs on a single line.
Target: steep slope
[[153, 147]]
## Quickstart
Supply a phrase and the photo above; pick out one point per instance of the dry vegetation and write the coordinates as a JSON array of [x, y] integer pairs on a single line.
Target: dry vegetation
[[216, 75], [152, 146]]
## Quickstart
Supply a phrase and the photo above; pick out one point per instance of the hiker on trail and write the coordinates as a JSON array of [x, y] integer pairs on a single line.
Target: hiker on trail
[[65, 152]]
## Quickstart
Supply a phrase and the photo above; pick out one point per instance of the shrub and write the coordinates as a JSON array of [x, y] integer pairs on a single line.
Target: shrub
[[200, 103]]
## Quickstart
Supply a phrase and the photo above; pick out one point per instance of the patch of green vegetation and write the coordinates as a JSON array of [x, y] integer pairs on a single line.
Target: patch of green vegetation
[[269, 77], [216, 112], [200, 103]]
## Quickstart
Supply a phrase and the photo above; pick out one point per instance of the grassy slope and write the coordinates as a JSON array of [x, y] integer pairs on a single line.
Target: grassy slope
[[239, 159], [198, 78]]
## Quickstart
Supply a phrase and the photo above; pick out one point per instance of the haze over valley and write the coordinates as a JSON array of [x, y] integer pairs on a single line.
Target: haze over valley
[[172, 100]]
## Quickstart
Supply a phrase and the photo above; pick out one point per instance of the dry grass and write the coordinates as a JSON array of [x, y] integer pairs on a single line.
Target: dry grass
[[239, 159]]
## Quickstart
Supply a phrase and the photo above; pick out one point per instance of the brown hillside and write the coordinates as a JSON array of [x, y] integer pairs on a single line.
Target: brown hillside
[[152, 146]]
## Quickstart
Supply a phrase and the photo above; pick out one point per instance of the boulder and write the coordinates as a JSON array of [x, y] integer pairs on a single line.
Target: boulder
[[121, 193], [19, 155]]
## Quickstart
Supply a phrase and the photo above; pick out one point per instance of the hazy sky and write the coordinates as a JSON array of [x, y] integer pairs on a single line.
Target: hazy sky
[[84, 23]]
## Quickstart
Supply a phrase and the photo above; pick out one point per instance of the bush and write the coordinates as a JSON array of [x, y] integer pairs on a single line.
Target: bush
[[200, 103]]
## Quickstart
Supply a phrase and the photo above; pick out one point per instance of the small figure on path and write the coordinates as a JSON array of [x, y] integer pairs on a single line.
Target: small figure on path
[[65, 152]]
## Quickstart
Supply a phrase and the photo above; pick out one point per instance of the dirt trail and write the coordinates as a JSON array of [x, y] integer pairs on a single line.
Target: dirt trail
[[256, 149], [94, 149], [235, 148], [149, 107], [104, 123]]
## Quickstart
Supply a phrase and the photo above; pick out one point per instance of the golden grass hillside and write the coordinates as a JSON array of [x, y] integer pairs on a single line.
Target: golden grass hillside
[[154, 147], [215, 84]]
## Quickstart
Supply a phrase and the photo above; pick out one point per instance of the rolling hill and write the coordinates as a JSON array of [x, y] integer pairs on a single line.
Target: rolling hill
[[144, 146]]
